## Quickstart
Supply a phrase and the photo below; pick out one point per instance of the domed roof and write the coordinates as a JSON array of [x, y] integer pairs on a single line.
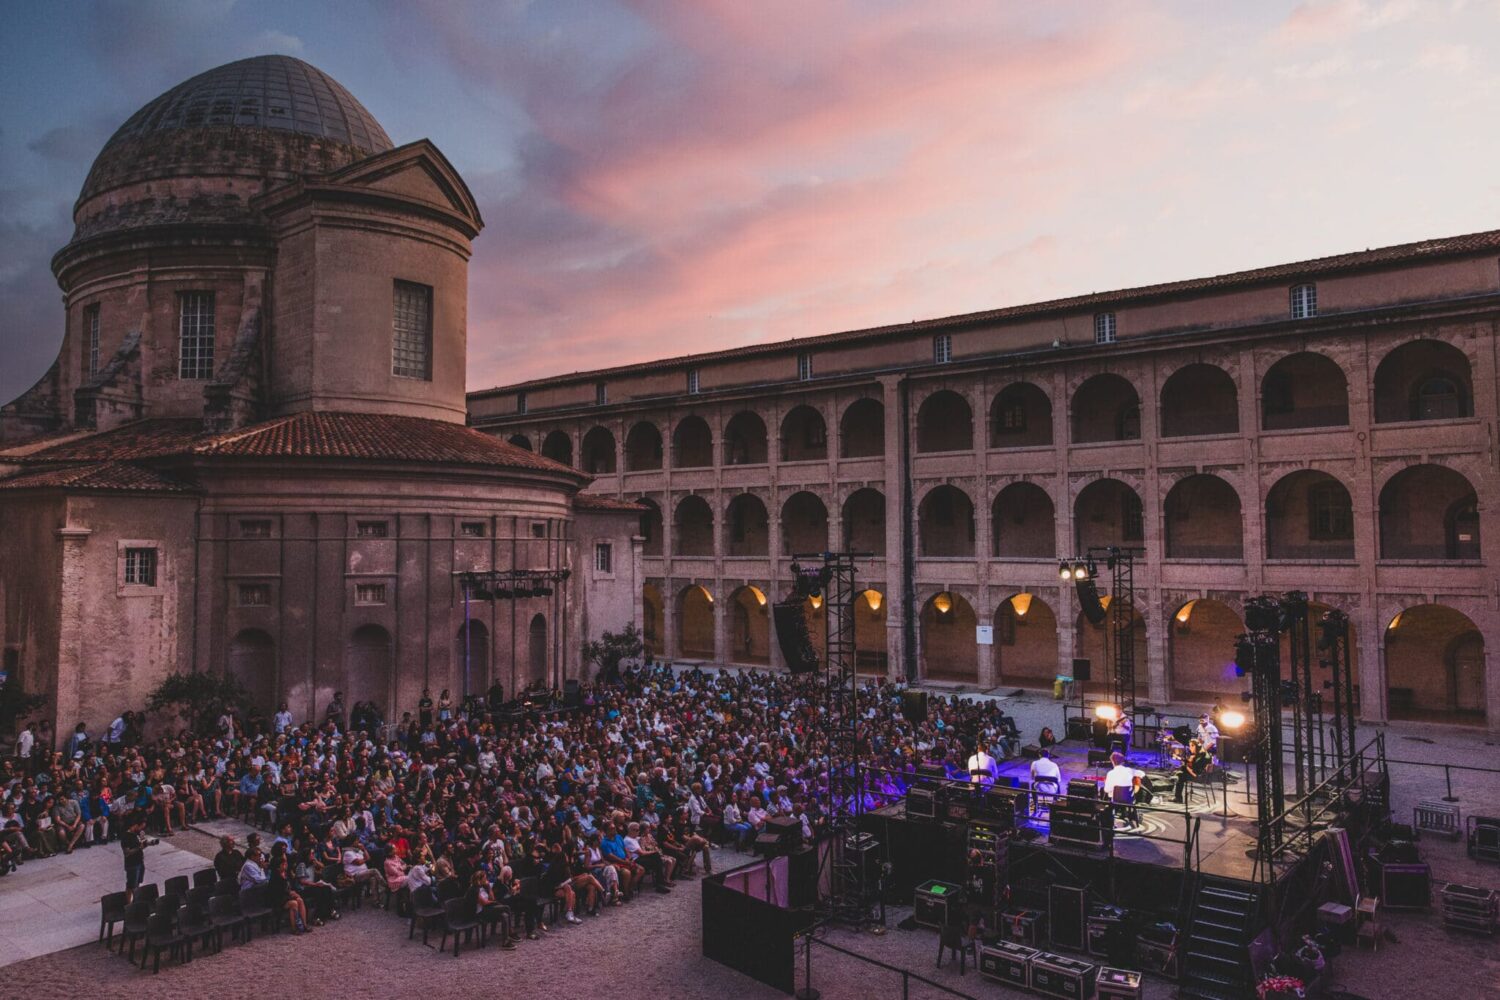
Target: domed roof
[[274, 92]]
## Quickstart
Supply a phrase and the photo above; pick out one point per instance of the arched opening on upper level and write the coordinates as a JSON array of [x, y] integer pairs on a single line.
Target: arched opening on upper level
[[693, 528], [1023, 523], [1424, 380], [1107, 512], [862, 429], [745, 439], [804, 436], [643, 451], [1429, 512], [1106, 408], [945, 523], [804, 524], [1199, 399], [598, 452], [1020, 417], [558, 447], [864, 522], [1309, 516], [747, 530], [1203, 520], [945, 423], [1304, 390], [692, 444]]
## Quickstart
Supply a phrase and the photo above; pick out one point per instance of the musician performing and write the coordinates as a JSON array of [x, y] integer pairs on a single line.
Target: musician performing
[[1194, 764]]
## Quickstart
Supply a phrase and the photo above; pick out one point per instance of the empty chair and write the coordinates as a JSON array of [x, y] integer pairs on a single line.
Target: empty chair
[[111, 911], [136, 916], [255, 906], [952, 937], [148, 892], [194, 924], [168, 903], [205, 876], [425, 912], [162, 935], [226, 887], [178, 884], [460, 920], [199, 895], [224, 914]]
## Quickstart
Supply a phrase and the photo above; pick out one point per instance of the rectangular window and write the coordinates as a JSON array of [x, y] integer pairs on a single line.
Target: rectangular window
[[471, 529], [1304, 301], [603, 558], [411, 340], [1011, 418], [520, 402], [538, 529], [140, 567], [195, 335], [601, 394], [370, 529], [91, 338], [255, 595], [692, 382], [804, 367], [1330, 516], [942, 348], [255, 529], [1132, 528], [369, 593], [1104, 328]]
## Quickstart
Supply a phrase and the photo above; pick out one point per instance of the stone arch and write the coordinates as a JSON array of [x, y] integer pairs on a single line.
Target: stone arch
[[1106, 408], [471, 657], [1200, 652], [1204, 520], [1092, 642], [597, 452], [693, 527], [520, 441], [1429, 512], [692, 444], [1026, 641], [749, 627], [367, 667], [1309, 516], [1023, 523], [945, 422], [1424, 380], [695, 623], [804, 435], [643, 449], [1199, 399], [863, 521], [862, 429], [558, 447], [252, 662], [747, 527], [945, 522], [654, 621], [745, 439], [1107, 512], [949, 651], [804, 524], [870, 649], [1020, 417], [1435, 666], [651, 527], [1305, 389], [536, 651]]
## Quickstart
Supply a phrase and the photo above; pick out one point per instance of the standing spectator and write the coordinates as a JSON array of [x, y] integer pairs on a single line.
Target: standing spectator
[[133, 844], [24, 744], [77, 742], [229, 860], [424, 709], [282, 720], [335, 711]]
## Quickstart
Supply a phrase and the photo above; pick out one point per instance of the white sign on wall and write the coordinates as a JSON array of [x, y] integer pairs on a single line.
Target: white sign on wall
[[984, 635]]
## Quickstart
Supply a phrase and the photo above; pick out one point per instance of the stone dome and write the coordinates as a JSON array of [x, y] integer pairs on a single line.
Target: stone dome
[[219, 139]]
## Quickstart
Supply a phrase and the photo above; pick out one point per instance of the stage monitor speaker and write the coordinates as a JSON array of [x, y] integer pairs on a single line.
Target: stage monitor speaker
[[781, 835], [914, 706], [1067, 917], [793, 638], [1406, 887], [1083, 788], [1083, 668]]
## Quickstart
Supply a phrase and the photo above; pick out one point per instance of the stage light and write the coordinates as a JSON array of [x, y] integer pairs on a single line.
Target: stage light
[[1247, 696], [874, 598], [1108, 713], [1064, 571], [942, 603], [1081, 572], [1232, 719]]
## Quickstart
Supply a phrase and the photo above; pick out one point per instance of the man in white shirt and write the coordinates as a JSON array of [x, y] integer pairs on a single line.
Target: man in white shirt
[[282, 720], [1046, 776], [1208, 733], [1122, 775], [982, 767]]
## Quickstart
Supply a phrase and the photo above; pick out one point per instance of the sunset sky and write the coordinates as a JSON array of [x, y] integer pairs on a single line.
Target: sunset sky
[[664, 176]]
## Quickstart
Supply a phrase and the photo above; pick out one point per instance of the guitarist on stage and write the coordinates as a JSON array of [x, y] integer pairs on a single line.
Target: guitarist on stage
[[1194, 764]]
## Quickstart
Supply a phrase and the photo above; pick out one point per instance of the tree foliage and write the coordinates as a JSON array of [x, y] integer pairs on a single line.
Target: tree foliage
[[613, 648], [198, 697]]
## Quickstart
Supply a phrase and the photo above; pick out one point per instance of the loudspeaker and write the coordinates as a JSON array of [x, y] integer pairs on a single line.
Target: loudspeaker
[[1067, 916], [1083, 668], [914, 706], [1088, 601], [793, 638], [572, 693], [802, 877], [1406, 887], [1083, 788]]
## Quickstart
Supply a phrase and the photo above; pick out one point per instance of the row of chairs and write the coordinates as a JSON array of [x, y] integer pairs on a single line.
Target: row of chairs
[[449, 908]]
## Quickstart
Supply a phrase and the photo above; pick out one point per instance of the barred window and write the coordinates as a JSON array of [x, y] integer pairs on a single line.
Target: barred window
[[1304, 301], [369, 593], [942, 348], [411, 343], [1104, 328], [804, 367], [1330, 516], [601, 394], [471, 529], [692, 381], [140, 567], [91, 338], [603, 558], [255, 595], [520, 402], [255, 529], [195, 325], [370, 529]]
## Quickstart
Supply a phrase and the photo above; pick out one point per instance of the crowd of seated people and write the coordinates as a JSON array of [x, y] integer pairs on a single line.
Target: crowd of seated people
[[587, 808]]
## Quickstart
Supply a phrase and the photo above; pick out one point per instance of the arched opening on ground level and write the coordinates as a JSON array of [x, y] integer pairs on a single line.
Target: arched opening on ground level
[[1092, 642], [692, 444], [862, 430], [749, 627], [870, 649], [945, 523], [643, 451], [693, 528], [1020, 417], [1309, 516], [695, 623], [1107, 512], [558, 447], [1204, 520], [1424, 380], [654, 622], [471, 655], [1023, 523], [650, 527], [1199, 399], [536, 649], [1026, 642], [864, 522], [1106, 408], [520, 441], [367, 666], [949, 652], [597, 452], [804, 436], [804, 524], [747, 527], [1304, 390], [1435, 666], [252, 662], [945, 423], [1200, 653], [745, 439], [1429, 512]]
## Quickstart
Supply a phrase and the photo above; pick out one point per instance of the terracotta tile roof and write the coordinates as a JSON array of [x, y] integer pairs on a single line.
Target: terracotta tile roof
[[592, 502], [136, 440], [97, 476], [1453, 246]]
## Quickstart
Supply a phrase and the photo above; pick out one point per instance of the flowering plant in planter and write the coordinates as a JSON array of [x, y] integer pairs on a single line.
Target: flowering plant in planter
[[1280, 988]]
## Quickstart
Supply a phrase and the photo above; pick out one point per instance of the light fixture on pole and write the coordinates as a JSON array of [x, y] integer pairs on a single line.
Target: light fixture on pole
[[1230, 724]]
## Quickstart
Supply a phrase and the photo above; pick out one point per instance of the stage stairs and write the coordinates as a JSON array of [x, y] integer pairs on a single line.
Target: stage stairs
[[1215, 952]]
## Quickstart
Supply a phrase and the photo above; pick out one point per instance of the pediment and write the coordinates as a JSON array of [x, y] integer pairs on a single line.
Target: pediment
[[417, 171]]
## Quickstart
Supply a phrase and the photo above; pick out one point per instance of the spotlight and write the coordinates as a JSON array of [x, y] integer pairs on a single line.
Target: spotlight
[[1064, 572], [1081, 572], [1108, 713], [1232, 719]]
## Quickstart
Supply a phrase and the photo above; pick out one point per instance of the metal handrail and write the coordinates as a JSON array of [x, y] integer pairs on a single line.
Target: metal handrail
[[906, 974]]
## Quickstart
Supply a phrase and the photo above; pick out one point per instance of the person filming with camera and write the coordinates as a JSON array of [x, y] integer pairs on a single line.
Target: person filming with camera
[[134, 843]]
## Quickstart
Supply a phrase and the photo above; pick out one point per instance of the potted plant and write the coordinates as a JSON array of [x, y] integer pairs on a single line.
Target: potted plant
[[1281, 988]]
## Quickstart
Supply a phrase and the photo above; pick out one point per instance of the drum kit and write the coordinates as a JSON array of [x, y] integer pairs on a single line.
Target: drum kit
[[1172, 745]]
